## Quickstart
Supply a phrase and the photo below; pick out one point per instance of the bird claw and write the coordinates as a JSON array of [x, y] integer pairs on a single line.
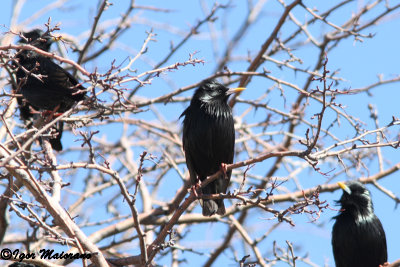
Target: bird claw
[[32, 110], [50, 114], [224, 170], [194, 189]]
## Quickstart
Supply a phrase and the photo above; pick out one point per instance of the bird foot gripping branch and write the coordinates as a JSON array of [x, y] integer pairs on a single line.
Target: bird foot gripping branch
[[194, 189], [50, 114], [224, 170]]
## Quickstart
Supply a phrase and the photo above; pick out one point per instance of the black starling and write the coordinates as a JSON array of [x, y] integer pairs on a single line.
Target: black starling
[[358, 238], [209, 139], [33, 37], [44, 84], [26, 110]]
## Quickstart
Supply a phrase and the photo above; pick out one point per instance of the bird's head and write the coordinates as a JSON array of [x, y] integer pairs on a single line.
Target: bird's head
[[356, 198], [210, 91], [38, 39]]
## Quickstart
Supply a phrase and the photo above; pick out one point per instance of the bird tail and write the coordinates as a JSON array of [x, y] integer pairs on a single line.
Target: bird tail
[[56, 142], [213, 206]]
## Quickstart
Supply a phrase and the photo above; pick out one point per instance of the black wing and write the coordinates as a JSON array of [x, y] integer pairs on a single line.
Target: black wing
[[49, 86], [207, 142]]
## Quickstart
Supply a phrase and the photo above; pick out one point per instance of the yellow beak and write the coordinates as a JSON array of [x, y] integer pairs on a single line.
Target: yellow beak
[[57, 38], [344, 187], [235, 90]]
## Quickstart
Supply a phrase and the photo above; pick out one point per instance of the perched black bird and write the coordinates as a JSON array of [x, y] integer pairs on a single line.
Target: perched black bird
[[44, 84], [26, 110], [208, 140], [358, 238], [33, 37]]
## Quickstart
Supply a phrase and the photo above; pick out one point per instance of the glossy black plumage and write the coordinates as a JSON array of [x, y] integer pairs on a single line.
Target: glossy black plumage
[[44, 84], [208, 140], [358, 238], [53, 86]]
